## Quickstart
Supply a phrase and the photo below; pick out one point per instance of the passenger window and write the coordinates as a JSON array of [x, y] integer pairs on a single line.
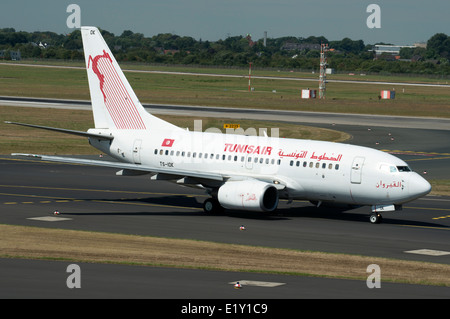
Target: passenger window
[[330, 166], [317, 165], [336, 167]]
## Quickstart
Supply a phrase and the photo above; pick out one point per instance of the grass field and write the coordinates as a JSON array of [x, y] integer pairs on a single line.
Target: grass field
[[232, 92], [83, 246], [18, 139]]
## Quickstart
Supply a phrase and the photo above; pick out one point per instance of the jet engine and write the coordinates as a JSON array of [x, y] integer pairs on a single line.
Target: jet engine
[[249, 195]]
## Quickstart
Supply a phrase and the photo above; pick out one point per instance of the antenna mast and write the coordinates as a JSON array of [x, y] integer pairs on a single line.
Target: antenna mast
[[323, 69]]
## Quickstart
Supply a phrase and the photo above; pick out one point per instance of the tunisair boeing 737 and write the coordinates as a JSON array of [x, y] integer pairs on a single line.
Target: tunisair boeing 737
[[239, 172]]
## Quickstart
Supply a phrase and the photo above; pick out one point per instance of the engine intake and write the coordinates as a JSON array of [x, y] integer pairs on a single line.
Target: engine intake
[[249, 195]]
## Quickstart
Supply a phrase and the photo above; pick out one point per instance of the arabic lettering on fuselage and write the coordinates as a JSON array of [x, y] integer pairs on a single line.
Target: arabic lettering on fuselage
[[267, 150], [296, 155], [381, 184], [324, 157]]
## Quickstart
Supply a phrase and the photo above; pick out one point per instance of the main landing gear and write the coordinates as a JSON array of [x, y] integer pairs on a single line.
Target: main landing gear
[[375, 218], [212, 206]]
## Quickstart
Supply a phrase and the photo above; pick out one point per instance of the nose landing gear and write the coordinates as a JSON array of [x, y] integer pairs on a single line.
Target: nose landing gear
[[375, 218]]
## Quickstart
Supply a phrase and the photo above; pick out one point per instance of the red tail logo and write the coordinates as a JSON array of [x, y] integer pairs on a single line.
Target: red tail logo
[[117, 100]]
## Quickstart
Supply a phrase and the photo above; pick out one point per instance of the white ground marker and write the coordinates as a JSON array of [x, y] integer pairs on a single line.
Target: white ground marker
[[266, 284], [49, 218], [428, 252]]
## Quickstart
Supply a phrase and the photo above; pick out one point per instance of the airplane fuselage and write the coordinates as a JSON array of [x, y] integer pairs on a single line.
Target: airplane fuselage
[[313, 170]]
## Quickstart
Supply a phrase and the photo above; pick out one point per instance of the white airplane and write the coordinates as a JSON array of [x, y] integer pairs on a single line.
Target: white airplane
[[239, 172]]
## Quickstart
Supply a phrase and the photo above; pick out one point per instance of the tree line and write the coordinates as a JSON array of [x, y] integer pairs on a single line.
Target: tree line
[[236, 51]]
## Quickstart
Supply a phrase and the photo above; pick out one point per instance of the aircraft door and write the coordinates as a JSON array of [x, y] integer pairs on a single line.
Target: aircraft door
[[356, 173], [248, 162], [137, 151]]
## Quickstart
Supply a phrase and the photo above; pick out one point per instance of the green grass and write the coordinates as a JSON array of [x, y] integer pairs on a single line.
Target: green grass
[[231, 92], [19, 139]]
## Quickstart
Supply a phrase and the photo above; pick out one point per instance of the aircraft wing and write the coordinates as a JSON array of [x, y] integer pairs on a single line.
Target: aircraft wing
[[126, 166]]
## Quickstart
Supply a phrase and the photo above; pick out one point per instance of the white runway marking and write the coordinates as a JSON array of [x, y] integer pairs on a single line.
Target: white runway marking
[[266, 284], [49, 218], [428, 252]]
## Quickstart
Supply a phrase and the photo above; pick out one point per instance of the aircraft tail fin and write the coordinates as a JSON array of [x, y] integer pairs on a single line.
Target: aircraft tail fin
[[114, 103]]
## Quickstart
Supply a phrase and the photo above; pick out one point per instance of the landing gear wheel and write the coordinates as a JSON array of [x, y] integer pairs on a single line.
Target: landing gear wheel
[[211, 206], [375, 218]]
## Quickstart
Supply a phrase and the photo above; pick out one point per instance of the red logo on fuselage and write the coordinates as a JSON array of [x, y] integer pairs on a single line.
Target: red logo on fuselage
[[168, 142]]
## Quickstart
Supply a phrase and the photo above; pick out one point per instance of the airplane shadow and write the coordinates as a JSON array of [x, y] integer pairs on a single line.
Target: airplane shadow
[[360, 214], [169, 206], [176, 205]]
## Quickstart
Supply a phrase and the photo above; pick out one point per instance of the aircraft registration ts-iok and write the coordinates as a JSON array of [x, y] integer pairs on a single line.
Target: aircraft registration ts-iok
[[239, 172]]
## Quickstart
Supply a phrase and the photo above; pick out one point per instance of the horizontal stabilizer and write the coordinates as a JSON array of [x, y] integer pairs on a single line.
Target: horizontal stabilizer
[[61, 130]]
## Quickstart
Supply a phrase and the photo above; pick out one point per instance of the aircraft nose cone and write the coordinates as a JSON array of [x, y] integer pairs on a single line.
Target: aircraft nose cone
[[418, 186]]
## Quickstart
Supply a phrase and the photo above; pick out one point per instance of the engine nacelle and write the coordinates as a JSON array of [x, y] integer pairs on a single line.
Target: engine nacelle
[[250, 195]]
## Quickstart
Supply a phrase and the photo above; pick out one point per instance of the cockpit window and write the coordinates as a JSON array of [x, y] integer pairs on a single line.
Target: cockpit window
[[389, 168]]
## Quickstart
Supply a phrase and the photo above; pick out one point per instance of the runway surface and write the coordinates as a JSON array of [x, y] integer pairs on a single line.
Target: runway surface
[[299, 116], [93, 198]]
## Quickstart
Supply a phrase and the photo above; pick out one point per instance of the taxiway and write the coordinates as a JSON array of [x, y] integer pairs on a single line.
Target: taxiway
[[93, 198]]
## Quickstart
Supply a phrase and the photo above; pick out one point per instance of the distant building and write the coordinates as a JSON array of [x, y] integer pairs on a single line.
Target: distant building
[[390, 52], [300, 46], [15, 55]]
